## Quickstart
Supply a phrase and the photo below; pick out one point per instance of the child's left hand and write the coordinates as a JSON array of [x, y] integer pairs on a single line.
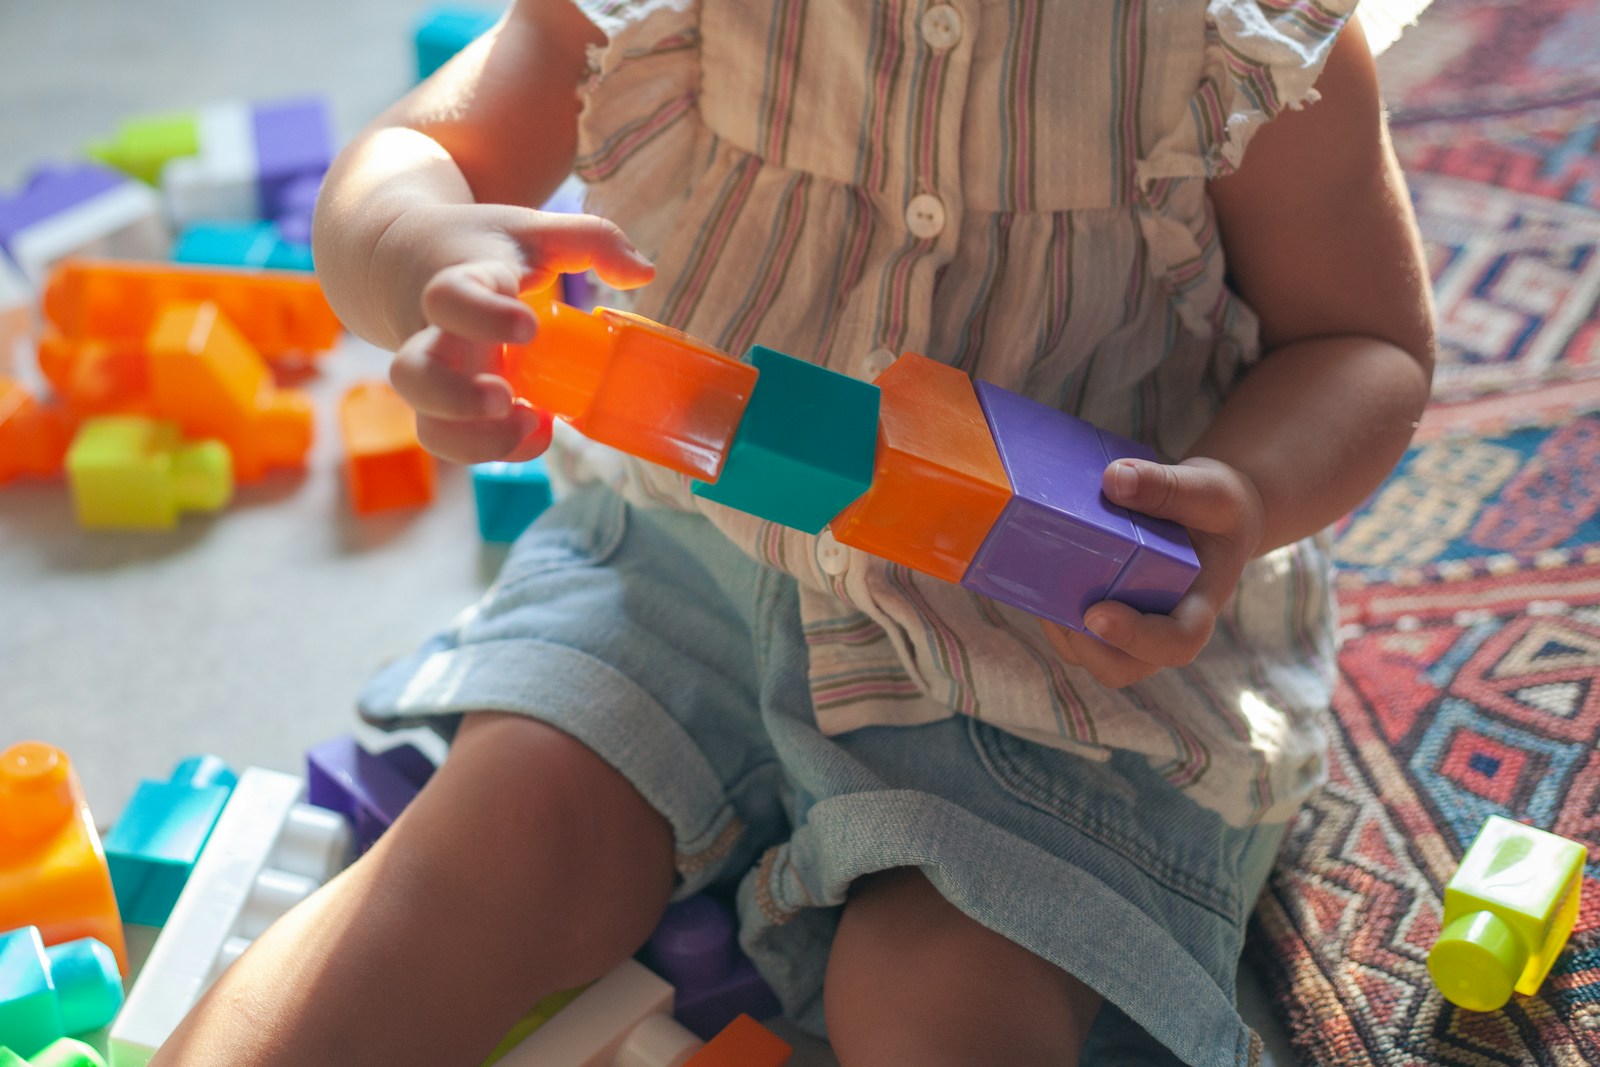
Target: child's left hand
[[1224, 515]]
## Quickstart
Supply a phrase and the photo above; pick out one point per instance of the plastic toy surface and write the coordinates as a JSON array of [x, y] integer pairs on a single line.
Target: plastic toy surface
[[695, 947], [1507, 912], [80, 210], [17, 320], [240, 244], [52, 871], [443, 31], [368, 790], [132, 473], [33, 436], [743, 1043], [385, 465], [509, 497], [153, 847], [624, 1018], [534, 1018], [266, 853], [64, 1052], [50, 993]]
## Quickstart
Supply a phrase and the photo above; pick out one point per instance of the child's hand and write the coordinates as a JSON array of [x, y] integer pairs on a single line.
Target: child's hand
[[449, 370], [1224, 515]]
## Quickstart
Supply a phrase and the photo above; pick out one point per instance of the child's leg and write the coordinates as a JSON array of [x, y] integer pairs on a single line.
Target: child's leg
[[527, 865], [911, 979]]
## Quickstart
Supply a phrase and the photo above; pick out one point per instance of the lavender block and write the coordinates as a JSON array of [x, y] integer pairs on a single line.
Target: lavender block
[[1060, 546], [49, 191], [695, 948], [366, 789], [294, 141]]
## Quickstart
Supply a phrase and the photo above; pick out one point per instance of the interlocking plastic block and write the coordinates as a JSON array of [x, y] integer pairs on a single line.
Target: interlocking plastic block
[[63, 1052], [266, 853], [634, 384], [17, 319], [509, 497], [1060, 546], [142, 146], [52, 871], [623, 1020], [96, 377], [938, 484], [205, 375], [368, 790], [49, 993], [385, 466], [128, 472], [695, 947], [536, 1017], [155, 844], [441, 32], [82, 209], [1507, 912], [283, 314], [217, 180], [294, 148], [804, 450], [240, 244], [744, 1043], [33, 436]]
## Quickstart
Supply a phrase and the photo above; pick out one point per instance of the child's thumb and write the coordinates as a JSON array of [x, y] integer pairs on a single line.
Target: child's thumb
[[571, 244]]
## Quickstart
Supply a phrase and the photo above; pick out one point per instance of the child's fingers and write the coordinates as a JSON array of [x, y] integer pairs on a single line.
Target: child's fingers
[[448, 377], [478, 302], [569, 244], [1200, 494], [521, 435]]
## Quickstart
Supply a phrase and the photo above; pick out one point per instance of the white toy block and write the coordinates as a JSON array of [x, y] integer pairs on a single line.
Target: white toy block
[[124, 222], [219, 183], [17, 322], [623, 1020], [267, 852]]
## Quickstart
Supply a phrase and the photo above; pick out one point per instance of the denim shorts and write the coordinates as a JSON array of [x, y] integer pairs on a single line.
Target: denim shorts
[[653, 640]]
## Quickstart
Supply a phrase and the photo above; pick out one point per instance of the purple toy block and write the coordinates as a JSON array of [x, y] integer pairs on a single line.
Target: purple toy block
[[695, 948], [1060, 546], [294, 141], [1165, 565], [49, 191], [366, 789]]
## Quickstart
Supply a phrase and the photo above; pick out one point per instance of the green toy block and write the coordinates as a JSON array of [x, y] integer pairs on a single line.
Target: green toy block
[[62, 1053], [142, 146], [1507, 912], [130, 472], [804, 449], [48, 993]]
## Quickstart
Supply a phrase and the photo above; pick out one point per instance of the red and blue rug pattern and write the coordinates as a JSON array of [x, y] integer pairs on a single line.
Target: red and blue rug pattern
[[1469, 582]]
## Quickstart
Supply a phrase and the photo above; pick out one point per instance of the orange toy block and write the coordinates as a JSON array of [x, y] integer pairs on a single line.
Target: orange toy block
[[937, 483], [53, 872], [95, 377], [205, 376], [634, 384], [742, 1043], [282, 314], [385, 466], [33, 436]]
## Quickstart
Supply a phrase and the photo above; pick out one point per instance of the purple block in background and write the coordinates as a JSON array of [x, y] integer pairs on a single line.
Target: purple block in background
[[297, 202], [695, 948], [1060, 546], [51, 190], [368, 790], [294, 141]]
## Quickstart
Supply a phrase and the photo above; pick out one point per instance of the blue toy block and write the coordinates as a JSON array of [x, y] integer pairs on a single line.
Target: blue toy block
[[240, 244], [696, 948], [443, 31], [509, 496], [48, 993], [369, 790], [804, 449], [153, 847]]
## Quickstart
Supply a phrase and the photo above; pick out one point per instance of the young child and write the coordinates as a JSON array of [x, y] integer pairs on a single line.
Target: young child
[[960, 835]]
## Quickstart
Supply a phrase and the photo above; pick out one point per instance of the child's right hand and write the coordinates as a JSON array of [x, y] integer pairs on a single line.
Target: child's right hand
[[468, 263]]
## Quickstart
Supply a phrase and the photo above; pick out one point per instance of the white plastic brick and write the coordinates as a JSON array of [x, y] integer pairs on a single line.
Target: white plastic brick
[[267, 852], [124, 222], [623, 1020], [218, 184]]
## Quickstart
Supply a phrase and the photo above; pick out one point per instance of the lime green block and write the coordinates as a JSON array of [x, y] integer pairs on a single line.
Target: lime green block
[[67, 1053], [11, 1059], [142, 146], [1507, 913], [540, 1014], [129, 472]]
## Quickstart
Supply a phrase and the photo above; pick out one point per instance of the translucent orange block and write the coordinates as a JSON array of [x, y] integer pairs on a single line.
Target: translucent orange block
[[53, 872], [385, 466], [97, 377], [33, 436], [937, 483], [206, 376], [282, 314], [634, 384], [742, 1043]]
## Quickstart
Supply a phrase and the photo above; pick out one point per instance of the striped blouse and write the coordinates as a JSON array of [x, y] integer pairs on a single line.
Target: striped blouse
[[1017, 188]]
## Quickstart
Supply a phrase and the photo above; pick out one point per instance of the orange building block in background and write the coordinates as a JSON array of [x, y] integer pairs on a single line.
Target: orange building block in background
[[385, 466], [53, 872], [937, 483], [33, 436], [634, 384], [282, 314], [205, 376], [93, 377], [742, 1043]]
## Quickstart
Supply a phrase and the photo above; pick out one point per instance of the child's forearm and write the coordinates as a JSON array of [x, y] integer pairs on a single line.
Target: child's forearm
[[1316, 426]]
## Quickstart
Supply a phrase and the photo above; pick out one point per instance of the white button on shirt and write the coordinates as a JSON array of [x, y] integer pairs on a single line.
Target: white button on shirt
[[832, 557], [925, 216], [941, 27], [875, 363]]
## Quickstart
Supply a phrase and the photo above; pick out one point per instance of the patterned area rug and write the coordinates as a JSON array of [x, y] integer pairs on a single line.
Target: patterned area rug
[[1470, 582]]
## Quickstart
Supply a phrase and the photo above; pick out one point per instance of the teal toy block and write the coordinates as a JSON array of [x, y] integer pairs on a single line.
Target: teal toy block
[[509, 497], [48, 993], [443, 31], [240, 244], [64, 1052], [155, 844], [804, 449]]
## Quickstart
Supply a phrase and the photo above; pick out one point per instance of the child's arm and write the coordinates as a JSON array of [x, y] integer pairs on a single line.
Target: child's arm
[[426, 229], [1321, 241]]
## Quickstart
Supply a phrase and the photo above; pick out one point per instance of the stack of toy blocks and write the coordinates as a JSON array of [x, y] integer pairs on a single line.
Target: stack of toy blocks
[[696, 948], [80, 209], [971, 483]]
